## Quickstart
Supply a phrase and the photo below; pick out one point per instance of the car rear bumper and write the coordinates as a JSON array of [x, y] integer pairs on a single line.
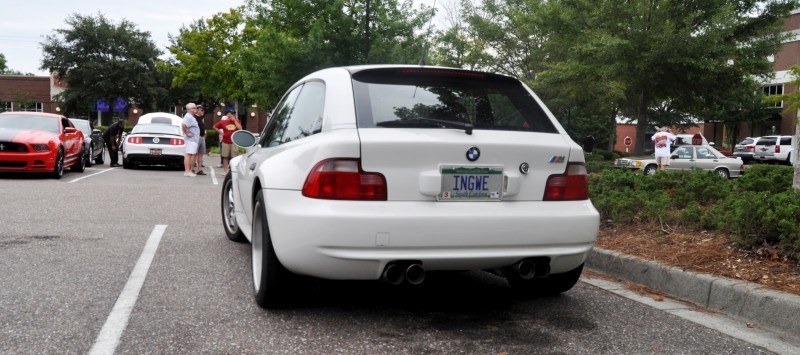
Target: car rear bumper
[[27, 162], [355, 239], [143, 153]]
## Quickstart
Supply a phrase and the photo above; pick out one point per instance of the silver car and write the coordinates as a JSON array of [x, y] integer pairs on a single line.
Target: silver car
[[687, 157]]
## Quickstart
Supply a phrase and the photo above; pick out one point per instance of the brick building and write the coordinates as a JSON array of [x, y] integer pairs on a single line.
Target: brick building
[[35, 93], [782, 124], [28, 93]]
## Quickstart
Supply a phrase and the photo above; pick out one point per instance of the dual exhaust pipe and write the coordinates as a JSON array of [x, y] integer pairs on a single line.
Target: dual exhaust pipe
[[529, 268], [398, 272]]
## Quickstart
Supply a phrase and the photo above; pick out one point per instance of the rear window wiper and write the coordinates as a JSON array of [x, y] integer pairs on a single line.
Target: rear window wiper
[[422, 122]]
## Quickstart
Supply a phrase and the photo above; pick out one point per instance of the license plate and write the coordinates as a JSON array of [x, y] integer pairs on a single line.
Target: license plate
[[469, 183], [155, 151]]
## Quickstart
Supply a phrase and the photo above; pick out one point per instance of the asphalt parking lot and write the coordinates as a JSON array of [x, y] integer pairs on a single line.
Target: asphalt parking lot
[[70, 249]]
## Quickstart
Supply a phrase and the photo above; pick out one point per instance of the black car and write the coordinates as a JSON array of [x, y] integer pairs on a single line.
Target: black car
[[95, 149]]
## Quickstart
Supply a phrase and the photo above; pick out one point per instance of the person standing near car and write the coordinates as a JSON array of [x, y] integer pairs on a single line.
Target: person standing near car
[[229, 124], [191, 133], [113, 138], [201, 142], [663, 142]]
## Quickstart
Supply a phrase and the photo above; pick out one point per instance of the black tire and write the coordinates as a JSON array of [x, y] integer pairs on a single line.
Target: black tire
[[80, 163], [89, 157], [271, 281], [126, 164], [650, 169], [58, 168], [723, 173], [100, 157], [552, 285], [227, 206]]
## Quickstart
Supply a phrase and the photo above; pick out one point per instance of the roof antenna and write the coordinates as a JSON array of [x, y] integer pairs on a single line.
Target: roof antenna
[[425, 45]]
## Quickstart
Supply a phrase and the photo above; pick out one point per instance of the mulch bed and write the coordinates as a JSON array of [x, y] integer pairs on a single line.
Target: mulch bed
[[703, 251]]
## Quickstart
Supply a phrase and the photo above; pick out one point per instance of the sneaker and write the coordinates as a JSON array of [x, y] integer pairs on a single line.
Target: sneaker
[[201, 172], [189, 174], [219, 166]]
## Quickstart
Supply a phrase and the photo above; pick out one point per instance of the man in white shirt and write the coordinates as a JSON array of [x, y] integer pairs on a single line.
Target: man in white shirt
[[663, 142]]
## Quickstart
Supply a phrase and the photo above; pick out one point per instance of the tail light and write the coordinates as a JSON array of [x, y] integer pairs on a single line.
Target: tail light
[[135, 140], [343, 179], [176, 141], [572, 185], [777, 148], [750, 147]]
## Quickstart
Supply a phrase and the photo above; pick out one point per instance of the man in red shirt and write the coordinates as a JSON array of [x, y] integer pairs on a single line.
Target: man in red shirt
[[226, 127]]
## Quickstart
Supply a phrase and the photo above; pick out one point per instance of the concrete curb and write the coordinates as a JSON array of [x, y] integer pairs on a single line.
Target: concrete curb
[[772, 310]]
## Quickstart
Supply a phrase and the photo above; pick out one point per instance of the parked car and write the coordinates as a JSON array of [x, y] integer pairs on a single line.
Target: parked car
[[687, 157], [776, 149], [746, 148], [387, 172], [157, 139], [93, 141], [40, 142]]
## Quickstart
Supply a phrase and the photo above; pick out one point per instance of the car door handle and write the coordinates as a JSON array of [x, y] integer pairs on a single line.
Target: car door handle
[[253, 166]]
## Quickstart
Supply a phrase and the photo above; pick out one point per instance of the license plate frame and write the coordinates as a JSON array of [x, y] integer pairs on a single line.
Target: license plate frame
[[471, 183]]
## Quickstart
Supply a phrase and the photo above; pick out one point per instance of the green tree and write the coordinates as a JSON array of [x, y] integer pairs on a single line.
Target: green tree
[[689, 56], [295, 37], [3, 66], [99, 59], [207, 58]]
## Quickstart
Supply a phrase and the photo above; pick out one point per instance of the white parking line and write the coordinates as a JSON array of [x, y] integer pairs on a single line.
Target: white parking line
[[88, 176], [214, 176], [109, 337]]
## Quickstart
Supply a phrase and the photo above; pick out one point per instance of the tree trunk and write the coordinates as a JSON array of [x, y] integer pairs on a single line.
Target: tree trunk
[[796, 153], [641, 123]]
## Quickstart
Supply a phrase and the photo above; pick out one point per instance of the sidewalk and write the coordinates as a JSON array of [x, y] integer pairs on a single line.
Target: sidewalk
[[776, 311]]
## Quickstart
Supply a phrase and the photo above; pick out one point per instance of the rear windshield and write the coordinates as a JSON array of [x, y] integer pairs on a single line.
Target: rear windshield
[[766, 141], [157, 128], [746, 141], [437, 98]]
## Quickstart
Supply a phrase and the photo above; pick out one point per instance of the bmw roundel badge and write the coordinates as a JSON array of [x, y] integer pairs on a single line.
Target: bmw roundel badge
[[473, 153]]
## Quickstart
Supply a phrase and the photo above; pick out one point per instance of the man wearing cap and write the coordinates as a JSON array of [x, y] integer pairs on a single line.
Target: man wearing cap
[[226, 127], [191, 133], [113, 137], [199, 116]]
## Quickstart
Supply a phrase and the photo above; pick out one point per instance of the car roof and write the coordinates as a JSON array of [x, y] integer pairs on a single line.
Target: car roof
[[160, 118], [28, 113]]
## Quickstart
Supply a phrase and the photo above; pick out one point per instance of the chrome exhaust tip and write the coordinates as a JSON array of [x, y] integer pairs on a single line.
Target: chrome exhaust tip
[[393, 274], [415, 274], [526, 269]]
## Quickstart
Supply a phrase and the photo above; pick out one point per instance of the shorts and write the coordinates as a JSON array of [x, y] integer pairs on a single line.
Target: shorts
[[201, 146], [228, 150], [662, 161], [191, 147]]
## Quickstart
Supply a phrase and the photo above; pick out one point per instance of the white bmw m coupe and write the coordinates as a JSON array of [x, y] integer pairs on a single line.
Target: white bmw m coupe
[[386, 172]]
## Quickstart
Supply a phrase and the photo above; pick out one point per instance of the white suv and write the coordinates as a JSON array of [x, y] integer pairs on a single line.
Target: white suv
[[773, 149], [386, 172]]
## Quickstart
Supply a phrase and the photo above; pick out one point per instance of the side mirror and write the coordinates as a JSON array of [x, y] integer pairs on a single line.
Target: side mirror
[[711, 143], [70, 129], [243, 139], [96, 131]]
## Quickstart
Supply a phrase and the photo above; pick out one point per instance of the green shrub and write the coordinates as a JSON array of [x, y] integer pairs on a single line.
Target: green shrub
[[764, 177], [212, 139], [596, 166]]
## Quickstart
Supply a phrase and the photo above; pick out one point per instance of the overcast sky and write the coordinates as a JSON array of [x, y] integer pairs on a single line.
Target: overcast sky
[[25, 23]]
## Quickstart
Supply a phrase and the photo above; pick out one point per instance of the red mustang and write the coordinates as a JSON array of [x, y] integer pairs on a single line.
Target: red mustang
[[40, 142]]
